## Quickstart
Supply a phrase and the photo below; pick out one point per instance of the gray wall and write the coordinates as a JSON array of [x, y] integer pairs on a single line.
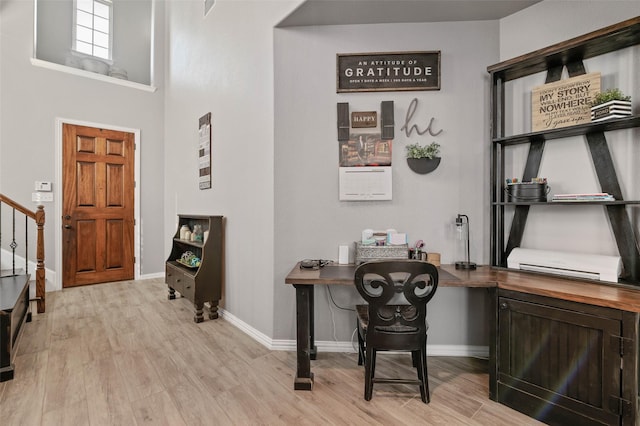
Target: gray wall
[[223, 64], [131, 35], [310, 220], [34, 97]]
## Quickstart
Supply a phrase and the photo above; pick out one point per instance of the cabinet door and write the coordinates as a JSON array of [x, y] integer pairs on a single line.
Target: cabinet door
[[558, 365]]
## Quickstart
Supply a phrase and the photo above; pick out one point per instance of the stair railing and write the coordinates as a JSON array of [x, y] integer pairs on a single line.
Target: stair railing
[[38, 217]]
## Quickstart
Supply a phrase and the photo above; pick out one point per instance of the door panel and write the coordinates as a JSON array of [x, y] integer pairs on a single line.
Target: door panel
[[86, 246], [115, 240], [98, 200]]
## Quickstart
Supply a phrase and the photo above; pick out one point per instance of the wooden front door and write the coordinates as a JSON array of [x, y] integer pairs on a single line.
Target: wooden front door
[[97, 205]]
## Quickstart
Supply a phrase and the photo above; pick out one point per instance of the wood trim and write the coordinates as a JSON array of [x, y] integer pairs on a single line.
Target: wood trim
[[17, 206]]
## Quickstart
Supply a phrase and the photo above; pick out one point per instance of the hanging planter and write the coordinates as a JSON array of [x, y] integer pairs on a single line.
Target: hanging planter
[[423, 159], [423, 165], [610, 104]]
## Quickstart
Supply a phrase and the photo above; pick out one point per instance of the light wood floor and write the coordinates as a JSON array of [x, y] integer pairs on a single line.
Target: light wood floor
[[122, 354]]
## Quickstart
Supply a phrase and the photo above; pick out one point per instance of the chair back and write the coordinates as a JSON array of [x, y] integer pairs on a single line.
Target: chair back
[[397, 325]]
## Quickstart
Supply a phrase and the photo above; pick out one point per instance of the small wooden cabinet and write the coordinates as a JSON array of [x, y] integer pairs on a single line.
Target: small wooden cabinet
[[202, 283], [563, 362]]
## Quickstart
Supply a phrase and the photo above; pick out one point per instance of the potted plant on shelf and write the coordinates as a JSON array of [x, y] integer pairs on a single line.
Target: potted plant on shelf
[[423, 159], [610, 104]]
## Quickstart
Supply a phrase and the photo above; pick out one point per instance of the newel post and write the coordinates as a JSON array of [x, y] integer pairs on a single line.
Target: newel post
[[40, 276]]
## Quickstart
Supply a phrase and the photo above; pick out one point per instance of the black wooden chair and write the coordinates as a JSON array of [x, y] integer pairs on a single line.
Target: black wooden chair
[[389, 325]]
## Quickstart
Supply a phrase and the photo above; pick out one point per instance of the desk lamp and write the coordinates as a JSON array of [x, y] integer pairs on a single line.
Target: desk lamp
[[462, 229]]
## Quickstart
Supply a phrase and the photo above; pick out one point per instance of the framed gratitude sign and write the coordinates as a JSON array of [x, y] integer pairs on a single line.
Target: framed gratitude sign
[[380, 72]]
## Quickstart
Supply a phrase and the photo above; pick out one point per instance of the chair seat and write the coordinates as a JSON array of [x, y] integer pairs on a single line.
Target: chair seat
[[387, 311]]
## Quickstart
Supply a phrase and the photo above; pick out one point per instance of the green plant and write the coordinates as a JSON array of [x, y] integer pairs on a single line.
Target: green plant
[[418, 151], [609, 95]]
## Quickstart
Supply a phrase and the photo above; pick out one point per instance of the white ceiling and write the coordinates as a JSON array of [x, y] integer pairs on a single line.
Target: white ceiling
[[351, 12]]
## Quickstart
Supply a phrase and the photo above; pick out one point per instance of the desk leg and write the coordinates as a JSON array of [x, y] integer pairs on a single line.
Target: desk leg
[[304, 309], [313, 353], [494, 342]]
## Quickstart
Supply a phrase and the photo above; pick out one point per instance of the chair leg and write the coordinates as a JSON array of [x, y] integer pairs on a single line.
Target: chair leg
[[369, 366], [423, 375], [373, 366], [361, 356]]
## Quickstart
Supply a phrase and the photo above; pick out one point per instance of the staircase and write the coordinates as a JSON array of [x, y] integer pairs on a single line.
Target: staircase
[[19, 222], [14, 281]]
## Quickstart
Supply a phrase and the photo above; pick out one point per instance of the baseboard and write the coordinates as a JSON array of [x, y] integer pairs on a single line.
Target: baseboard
[[152, 276], [49, 274], [258, 336], [345, 346]]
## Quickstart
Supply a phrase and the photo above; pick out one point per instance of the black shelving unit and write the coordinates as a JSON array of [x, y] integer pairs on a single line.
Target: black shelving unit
[[554, 59]]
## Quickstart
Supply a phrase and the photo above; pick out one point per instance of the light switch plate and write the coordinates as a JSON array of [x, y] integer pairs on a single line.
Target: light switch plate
[[39, 197]]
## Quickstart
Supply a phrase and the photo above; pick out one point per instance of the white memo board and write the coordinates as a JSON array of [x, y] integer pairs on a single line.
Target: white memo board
[[365, 183]]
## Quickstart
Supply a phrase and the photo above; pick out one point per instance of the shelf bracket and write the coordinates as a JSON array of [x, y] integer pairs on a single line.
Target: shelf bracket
[[617, 214]]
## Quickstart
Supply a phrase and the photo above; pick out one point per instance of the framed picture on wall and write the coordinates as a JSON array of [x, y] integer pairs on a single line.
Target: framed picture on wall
[[204, 152], [390, 72]]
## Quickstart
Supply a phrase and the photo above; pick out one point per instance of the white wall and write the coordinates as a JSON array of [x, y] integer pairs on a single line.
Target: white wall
[[567, 163], [223, 64], [311, 222], [34, 97]]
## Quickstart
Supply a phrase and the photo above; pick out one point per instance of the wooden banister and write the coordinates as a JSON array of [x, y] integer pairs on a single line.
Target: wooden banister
[[38, 217], [8, 201]]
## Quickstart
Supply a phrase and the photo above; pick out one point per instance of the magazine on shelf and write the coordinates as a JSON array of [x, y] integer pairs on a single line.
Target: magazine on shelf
[[600, 196]]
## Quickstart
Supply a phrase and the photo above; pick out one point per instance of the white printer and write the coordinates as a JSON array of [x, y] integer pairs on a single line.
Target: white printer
[[589, 266]]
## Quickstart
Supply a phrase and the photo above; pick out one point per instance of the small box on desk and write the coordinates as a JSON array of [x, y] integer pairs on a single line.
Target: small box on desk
[[366, 253]]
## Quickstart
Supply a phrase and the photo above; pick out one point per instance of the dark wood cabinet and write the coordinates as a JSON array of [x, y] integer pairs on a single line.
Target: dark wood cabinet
[[565, 363], [554, 59], [200, 283]]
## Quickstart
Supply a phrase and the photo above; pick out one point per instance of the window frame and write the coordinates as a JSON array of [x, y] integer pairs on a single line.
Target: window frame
[[107, 3]]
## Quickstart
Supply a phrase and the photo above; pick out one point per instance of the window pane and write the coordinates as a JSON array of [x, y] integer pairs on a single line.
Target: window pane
[[84, 19], [83, 34], [101, 24], [86, 5], [100, 39], [101, 52], [101, 10], [84, 48], [93, 27]]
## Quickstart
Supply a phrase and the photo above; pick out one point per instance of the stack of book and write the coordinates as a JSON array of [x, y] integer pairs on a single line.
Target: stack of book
[[600, 196]]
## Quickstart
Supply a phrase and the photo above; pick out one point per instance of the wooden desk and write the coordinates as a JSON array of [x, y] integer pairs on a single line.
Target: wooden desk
[[599, 318], [304, 281]]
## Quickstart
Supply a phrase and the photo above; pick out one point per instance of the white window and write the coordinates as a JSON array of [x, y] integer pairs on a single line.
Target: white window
[[92, 29]]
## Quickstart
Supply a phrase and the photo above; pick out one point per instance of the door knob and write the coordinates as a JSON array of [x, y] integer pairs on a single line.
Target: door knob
[[67, 227]]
